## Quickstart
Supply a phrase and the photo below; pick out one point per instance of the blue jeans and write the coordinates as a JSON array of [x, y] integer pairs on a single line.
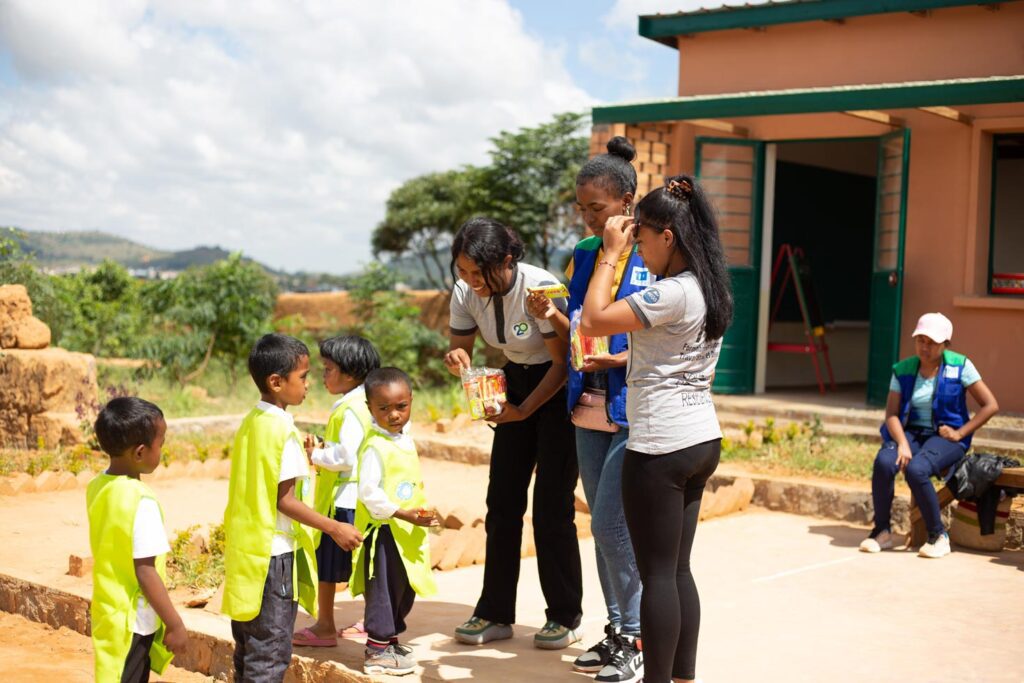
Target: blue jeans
[[932, 454], [600, 457]]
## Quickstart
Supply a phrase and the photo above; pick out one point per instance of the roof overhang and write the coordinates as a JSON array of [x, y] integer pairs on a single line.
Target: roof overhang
[[964, 91], [664, 28]]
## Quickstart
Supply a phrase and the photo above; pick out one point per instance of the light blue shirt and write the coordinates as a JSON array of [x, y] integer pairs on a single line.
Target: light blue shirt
[[924, 390]]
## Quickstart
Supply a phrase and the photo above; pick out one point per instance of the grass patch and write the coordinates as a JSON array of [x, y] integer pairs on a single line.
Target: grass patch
[[196, 562]]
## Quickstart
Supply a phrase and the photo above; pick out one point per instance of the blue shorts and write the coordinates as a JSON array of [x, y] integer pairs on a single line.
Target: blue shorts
[[334, 565]]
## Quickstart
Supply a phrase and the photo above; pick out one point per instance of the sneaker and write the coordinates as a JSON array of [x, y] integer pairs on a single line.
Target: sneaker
[[478, 631], [936, 547], [401, 649], [387, 661], [594, 659], [626, 665], [554, 636], [877, 542]]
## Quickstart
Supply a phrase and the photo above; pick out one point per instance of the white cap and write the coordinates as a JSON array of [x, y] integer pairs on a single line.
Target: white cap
[[935, 326]]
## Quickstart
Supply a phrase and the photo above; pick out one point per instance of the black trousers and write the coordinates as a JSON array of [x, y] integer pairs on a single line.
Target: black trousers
[[136, 664], [389, 597], [545, 441], [661, 498], [263, 645]]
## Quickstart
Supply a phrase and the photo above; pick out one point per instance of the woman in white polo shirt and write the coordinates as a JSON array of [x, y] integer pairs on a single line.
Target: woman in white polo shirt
[[533, 431], [675, 331]]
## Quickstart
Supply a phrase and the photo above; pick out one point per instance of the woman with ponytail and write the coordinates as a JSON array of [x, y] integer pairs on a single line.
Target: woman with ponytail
[[675, 329]]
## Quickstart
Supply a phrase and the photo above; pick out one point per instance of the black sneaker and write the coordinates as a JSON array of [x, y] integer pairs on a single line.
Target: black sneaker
[[626, 665], [597, 657]]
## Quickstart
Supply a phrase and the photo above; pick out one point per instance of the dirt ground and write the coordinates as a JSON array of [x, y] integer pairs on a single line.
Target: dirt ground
[[33, 652], [784, 598]]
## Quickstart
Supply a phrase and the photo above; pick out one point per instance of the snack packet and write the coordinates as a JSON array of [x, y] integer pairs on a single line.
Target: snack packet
[[485, 390], [581, 345], [557, 291]]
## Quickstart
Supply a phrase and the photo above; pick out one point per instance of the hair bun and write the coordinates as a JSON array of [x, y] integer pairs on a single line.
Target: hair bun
[[621, 147]]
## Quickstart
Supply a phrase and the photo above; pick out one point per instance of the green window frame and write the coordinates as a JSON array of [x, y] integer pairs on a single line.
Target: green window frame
[[1005, 279]]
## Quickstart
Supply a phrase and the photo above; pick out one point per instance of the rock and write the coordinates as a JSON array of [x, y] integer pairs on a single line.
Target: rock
[[66, 481], [475, 544], [51, 429], [15, 305], [460, 517], [461, 421], [31, 333], [175, 469], [7, 487], [438, 545], [196, 545], [224, 468], [193, 469], [79, 566], [216, 601], [453, 553], [443, 425], [23, 483], [85, 476], [745, 489], [47, 481], [200, 599], [211, 468]]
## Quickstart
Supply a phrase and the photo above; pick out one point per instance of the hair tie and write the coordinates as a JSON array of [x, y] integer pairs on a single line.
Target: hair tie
[[680, 189]]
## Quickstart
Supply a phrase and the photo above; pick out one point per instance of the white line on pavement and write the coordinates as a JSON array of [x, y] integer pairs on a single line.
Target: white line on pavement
[[808, 568]]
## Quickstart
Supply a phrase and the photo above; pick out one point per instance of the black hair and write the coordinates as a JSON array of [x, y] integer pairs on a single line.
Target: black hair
[[612, 170], [126, 422], [382, 377], [486, 242], [274, 354], [353, 354], [682, 207]]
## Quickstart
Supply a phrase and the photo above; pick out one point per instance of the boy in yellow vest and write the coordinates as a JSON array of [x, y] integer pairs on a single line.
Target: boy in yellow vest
[[393, 565], [269, 561], [134, 625], [347, 360]]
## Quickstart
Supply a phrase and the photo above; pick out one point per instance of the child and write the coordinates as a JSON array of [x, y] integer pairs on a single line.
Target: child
[[134, 625], [264, 572], [347, 360], [394, 563]]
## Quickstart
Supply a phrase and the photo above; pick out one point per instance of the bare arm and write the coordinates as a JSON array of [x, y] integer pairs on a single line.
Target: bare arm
[[175, 637], [345, 535], [601, 315], [987, 407], [549, 385]]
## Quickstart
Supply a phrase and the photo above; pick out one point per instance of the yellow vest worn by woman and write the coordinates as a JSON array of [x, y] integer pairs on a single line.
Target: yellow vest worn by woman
[[328, 482], [250, 520], [402, 481], [111, 502]]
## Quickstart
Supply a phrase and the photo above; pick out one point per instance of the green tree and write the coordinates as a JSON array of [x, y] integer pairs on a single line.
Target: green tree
[[531, 183], [423, 214], [209, 313]]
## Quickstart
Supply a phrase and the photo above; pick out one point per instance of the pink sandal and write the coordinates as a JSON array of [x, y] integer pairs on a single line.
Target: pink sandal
[[306, 638], [354, 632]]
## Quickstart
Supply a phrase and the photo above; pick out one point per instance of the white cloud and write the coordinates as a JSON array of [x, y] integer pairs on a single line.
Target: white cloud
[[278, 130]]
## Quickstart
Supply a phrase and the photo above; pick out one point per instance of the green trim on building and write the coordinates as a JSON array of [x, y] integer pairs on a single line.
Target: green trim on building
[[998, 89], [665, 27]]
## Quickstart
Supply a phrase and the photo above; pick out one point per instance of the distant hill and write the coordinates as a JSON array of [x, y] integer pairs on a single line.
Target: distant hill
[[65, 249]]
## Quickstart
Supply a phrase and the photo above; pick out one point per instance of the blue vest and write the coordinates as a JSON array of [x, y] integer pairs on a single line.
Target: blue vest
[[635, 278], [949, 402]]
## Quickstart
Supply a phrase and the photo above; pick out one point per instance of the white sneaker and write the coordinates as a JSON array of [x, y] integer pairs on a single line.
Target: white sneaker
[[883, 541], [937, 548]]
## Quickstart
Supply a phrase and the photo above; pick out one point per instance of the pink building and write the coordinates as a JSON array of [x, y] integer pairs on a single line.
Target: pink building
[[883, 137]]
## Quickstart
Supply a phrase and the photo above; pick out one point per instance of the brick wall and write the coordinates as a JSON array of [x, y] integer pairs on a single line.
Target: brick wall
[[652, 142]]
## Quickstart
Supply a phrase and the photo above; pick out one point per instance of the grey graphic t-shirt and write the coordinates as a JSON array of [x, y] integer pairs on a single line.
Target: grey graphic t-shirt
[[503, 321], [670, 367]]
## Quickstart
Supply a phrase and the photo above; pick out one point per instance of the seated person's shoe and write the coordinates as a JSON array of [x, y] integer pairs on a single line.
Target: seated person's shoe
[[877, 542], [554, 636], [595, 659], [388, 661], [936, 547], [478, 631]]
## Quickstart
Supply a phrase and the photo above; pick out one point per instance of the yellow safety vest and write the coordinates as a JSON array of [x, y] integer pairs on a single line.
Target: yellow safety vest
[[112, 502], [250, 520], [328, 482], [403, 484]]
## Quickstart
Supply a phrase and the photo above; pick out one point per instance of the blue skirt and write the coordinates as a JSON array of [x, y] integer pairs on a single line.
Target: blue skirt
[[334, 565]]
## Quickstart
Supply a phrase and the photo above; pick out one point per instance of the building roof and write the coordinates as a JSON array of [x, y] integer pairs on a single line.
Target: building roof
[[664, 28], [962, 91]]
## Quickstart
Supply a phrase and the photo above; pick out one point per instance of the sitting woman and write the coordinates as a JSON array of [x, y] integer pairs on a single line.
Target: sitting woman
[[927, 429]]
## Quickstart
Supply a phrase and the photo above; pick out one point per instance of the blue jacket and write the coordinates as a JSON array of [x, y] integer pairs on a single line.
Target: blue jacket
[[635, 278], [949, 402]]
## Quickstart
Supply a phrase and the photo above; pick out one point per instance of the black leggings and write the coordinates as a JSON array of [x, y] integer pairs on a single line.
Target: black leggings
[[661, 498]]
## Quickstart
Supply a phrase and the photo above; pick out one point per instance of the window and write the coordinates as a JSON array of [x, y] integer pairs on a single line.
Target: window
[[1006, 260]]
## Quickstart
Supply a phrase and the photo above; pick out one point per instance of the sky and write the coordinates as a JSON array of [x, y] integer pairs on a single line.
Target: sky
[[279, 127]]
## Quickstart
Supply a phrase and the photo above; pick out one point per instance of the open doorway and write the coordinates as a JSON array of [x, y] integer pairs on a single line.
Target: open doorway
[[825, 204]]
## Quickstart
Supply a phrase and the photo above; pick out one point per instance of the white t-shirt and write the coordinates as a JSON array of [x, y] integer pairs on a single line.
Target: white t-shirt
[[669, 369], [342, 457], [149, 539], [503, 321], [293, 466]]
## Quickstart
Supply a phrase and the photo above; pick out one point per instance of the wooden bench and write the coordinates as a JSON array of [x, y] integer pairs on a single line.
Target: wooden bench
[[1011, 476]]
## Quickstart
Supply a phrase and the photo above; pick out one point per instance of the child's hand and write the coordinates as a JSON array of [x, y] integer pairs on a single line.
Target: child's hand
[[309, 444], [176, 638], [417, 516], [346, 536], [540, 306]]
